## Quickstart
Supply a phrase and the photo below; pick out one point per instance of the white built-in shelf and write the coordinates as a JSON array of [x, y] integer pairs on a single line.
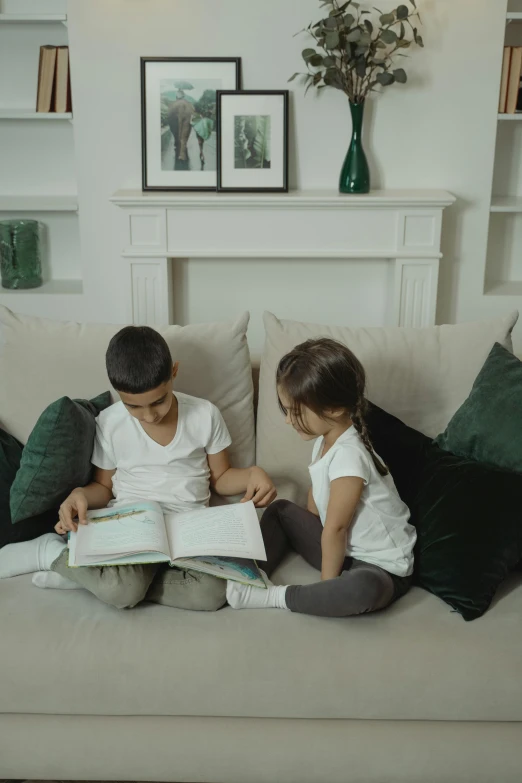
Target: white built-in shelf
[[39, 202], [506, 204], [511, 117], [505, 288], [50, 287], [32, 18], [30, 114], [514, 16]]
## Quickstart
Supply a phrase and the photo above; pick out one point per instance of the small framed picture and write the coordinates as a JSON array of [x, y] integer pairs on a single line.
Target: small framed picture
[[253, 140], [178, 119]]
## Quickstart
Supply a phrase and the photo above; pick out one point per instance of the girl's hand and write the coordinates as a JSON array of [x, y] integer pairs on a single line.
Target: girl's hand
[[260, 488]]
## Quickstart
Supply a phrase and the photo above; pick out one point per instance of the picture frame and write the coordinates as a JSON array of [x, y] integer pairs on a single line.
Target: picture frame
[[179, 119], [252, 140]]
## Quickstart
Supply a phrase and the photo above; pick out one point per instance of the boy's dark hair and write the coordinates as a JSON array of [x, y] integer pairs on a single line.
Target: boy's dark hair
[[324, 374], [138, 359]]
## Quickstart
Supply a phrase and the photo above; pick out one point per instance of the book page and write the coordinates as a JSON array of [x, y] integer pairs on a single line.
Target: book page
[[121, 530], [231, 530], [237, 569]]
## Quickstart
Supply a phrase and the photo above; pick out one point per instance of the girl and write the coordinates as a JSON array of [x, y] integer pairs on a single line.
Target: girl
[[355, 530]]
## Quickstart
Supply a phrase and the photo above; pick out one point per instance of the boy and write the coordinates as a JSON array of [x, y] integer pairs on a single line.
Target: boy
[[155, 444]]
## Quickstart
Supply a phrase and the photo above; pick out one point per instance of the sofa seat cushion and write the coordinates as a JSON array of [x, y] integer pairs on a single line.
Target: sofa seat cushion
[[66, 653]]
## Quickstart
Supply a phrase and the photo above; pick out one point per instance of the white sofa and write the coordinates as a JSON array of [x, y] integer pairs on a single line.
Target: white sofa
[[413, 694]]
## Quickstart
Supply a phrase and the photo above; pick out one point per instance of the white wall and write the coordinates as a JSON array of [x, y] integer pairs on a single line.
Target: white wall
[[436, 132]]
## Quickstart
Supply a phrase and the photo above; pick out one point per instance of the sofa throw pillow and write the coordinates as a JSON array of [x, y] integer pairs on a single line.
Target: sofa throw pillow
[[467, 541], [418, 375], [10, 456], [487, 426], [57, 456]]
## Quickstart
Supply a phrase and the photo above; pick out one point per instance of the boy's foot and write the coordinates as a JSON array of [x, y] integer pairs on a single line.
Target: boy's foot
[[30, 556], [247, 597], [55, 581]]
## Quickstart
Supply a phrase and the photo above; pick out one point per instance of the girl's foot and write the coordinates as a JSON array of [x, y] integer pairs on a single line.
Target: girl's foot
[[30, 556], [55, 581], [247, 597]]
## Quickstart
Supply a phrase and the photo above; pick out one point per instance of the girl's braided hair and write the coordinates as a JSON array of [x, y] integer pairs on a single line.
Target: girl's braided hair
[[325, 375]]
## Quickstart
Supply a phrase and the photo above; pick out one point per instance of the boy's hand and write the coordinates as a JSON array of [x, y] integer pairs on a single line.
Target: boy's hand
[[75, 505], [260, 488]]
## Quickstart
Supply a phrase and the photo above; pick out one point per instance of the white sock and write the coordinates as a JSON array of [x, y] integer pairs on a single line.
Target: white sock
[[247, 597], [30, 556], [54, 580]]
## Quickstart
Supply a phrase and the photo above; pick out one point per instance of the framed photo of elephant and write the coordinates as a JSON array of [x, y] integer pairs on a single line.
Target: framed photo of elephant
[[178, 119]]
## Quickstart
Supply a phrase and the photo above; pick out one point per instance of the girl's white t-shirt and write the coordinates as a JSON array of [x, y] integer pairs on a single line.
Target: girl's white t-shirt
[[380, 532], [177, 476]]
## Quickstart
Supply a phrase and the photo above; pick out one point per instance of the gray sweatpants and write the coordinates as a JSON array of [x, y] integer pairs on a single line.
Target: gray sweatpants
[[126, 586], [361, 587]]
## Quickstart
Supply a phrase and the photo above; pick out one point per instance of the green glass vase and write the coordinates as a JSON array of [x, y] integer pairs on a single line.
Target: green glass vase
[[355, 173], [20, 264]]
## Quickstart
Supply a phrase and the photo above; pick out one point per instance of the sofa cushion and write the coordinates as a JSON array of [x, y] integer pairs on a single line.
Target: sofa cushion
[[467, 515], [42, 360], [57, 456], [487, 426], [10, 456], [422, 376], [66, 653]]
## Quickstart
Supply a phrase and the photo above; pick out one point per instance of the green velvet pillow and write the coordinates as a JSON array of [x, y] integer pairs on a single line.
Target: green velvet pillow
[[10, 457], [488, 426], [469, 527], [468, 516], [57, 456]]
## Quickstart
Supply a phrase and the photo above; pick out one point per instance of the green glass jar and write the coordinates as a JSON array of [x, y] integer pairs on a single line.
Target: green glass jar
[[355, 173], [20, 263]]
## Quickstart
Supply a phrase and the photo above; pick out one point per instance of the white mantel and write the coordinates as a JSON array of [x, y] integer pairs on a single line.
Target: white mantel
[[403, 226]]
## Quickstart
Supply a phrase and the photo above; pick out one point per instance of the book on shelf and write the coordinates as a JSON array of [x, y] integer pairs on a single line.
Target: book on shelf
[[46, 69], [515, 72], [224, 541], [506, 62], [62, 87], [54, 83]]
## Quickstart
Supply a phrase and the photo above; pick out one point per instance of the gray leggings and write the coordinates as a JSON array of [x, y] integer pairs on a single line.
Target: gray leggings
[[360, 588]]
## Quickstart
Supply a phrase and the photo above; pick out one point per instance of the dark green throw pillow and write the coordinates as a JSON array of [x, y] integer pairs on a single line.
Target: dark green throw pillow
[[467, 515], [10, 456], [488, 426], [57, 456]]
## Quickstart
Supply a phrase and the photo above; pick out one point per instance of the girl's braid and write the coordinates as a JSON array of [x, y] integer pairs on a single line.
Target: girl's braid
[[358, 417]]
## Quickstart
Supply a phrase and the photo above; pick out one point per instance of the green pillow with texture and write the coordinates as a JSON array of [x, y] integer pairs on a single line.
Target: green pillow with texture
[[488, 425], [10, 457], [57, 456]]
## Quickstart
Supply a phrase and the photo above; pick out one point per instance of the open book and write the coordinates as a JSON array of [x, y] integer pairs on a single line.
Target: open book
[[223, 541]]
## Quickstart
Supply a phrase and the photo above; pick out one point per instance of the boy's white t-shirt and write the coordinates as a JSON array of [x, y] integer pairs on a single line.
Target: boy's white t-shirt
[[379, 533], [177, 476]]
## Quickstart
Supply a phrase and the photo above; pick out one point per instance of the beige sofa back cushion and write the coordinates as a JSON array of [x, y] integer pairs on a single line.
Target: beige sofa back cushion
[[420, 375], [42, 360]]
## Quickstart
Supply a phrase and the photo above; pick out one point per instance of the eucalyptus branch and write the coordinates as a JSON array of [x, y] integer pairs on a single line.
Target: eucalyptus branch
[[347, 44]]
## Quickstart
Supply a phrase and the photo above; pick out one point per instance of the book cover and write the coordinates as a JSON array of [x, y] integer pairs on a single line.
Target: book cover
[[46, 74], [506, 62], [515, 70]]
